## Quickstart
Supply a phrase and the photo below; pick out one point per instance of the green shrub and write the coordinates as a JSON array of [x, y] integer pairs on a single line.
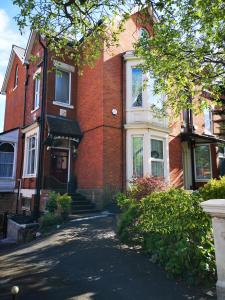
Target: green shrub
[[49, 220], [214, 189], [51, 204], [174, 230], [178, 233], [64, 204]]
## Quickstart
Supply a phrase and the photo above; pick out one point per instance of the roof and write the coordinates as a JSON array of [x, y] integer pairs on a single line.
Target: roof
[[201, 138], [19, 52], [60, 126]]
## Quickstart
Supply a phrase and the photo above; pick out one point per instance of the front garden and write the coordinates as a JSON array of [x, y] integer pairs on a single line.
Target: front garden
[[171, 227]]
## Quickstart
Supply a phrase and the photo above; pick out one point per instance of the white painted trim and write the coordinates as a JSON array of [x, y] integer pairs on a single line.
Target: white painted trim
[[210, 161], [146, 125], [32, 111], [30, 128], [63, 104], [28, 192], [38, 71], [63, 66]]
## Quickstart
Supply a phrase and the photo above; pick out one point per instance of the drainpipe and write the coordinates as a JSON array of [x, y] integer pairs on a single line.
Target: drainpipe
[[192, 148], [22, 142], [41, 134]]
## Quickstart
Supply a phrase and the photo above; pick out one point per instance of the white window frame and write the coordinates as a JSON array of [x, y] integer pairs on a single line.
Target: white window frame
[[60, 66], [157, 159], [29, 134], [210, 162], [36, 77]]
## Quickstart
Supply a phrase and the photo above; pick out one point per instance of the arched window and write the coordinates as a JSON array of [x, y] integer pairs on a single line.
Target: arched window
[[143, 33], [6, 160], [16, 77]]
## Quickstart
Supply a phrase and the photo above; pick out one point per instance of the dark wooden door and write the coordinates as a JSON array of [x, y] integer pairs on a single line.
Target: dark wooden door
[[59, 164]]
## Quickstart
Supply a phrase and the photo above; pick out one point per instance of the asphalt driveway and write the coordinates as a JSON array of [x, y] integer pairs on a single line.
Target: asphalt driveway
[[84, 260]]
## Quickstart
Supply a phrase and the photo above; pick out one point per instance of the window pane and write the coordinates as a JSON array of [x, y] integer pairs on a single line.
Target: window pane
[[31, 159], [157, 168], [136, 87], [208, 120], [202, 162], [6, 163], [138, 156], [37, 93], [156, 149], [153, 99], [62, 87]]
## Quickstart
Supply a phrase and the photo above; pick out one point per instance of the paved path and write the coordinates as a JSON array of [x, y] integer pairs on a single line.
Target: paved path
[[84, 261]]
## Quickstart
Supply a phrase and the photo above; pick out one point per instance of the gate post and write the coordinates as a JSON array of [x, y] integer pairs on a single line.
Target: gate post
[[216, 209]]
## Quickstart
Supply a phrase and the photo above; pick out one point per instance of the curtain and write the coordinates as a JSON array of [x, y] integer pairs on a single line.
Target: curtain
[[6, 164]]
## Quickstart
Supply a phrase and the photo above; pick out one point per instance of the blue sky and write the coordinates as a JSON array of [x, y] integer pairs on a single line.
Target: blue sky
[[9, 35]]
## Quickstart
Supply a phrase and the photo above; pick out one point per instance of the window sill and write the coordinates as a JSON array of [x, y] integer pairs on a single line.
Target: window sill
[[30, 176], [15, 87], [32, 111], [203, 180], [63, 104]]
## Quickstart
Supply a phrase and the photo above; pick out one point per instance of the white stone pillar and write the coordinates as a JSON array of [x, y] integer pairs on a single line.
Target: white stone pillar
[[216, 209]]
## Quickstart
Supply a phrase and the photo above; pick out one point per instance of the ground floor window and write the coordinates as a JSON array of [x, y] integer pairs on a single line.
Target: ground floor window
[[157, 158], [137, 156], [147, 154], [203, 170], [6, 160], [31, 153]]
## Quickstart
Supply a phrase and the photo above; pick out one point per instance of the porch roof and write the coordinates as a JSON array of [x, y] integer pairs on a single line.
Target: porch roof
[[201, 138], [60, 126]]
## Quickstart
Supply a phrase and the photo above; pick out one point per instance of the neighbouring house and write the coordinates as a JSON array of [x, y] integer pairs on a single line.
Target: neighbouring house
[[94, 133]]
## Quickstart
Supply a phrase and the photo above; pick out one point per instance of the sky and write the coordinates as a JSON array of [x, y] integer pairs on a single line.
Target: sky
[[9, 35]]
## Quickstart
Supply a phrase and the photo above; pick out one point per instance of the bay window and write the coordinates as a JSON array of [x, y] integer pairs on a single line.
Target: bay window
[[203, 170]]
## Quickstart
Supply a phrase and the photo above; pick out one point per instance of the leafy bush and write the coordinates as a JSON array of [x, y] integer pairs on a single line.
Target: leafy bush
[[144, 186], [49, 220], [64, 205], [51, 204], [174, 230], [214, 189]]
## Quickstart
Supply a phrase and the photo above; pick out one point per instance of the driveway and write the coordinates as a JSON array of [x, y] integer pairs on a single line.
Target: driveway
[[84, 260]]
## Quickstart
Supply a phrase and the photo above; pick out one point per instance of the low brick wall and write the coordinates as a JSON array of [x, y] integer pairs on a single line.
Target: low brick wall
[[8, 202]]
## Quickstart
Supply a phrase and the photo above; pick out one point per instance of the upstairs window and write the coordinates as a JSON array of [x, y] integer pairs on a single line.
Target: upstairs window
[[6, 160], [208, 121], [16, 77], [143, 33], [62, 86], [136, 87], [36, 92]]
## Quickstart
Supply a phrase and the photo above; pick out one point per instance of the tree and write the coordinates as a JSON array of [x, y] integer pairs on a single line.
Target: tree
[[185, 51]]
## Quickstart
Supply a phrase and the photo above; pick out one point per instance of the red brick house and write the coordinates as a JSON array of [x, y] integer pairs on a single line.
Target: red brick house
[[93, 132]]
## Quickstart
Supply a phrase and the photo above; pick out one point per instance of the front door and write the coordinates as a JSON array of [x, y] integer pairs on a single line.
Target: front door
[[59, 164]]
